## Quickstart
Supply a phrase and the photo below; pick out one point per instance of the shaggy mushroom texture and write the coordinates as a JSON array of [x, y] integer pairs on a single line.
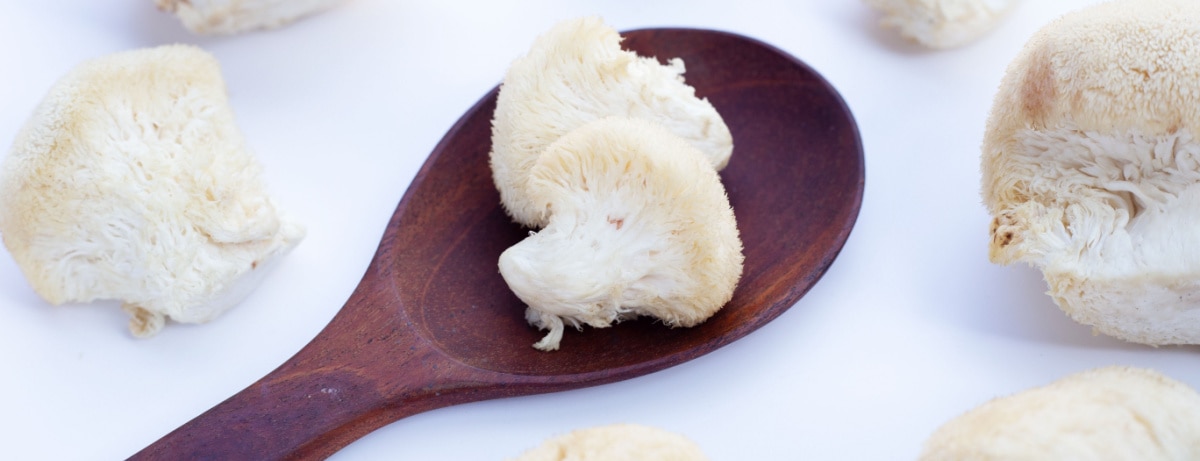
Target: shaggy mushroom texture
[[227, 17], [131, 182], [617, 442], [639, 225], [573, 74], [942, 23], [1091, 168], [1115, 413]]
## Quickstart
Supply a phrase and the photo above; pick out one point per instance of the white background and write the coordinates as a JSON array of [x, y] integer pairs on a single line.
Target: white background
[[910, 327]]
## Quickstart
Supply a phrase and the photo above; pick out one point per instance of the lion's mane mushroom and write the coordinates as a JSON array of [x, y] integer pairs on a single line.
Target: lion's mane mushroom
[[639, 225], [1091, 167], [227, 17], [575, 73], [942, 24], [624, 442], [1114, 413], [131, 182]]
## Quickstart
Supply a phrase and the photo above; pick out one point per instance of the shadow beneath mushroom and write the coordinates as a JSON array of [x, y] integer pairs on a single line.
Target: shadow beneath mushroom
[[1014, 304], [14, 289], [867, 20], [152, 27]]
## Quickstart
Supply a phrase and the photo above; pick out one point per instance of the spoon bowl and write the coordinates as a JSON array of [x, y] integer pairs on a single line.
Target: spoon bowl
[[433, 324]]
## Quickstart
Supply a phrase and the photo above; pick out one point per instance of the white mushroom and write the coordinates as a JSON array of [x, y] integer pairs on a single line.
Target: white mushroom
[[576, 73], [131, 182], [639, 225], [1115, 413], [942, 23], [226, 17], [1091, 168], [616, 442]]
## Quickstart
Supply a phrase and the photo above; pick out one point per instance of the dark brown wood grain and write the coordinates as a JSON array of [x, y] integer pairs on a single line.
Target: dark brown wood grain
[[433, 324]]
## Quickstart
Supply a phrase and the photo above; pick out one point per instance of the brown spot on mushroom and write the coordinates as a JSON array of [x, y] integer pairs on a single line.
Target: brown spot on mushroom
[[617, 222], [1006, 238], [1143, 72], [1038, 91], [1003, 220], [143, 323], [253, 265], [140, 319], [1002, 230]]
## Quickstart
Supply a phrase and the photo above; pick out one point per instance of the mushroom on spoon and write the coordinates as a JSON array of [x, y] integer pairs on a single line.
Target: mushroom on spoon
[[432, 323]]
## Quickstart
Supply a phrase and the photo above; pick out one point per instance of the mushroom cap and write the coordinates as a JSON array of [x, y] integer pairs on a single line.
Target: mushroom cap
[[1091, 170], [624, 442], [131, 182], [227, 17], [942, 24], [575, 73], [1113, 413], [639, 225]]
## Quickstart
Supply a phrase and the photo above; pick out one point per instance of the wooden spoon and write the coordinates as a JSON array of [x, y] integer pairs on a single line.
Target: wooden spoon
[[433, 324]]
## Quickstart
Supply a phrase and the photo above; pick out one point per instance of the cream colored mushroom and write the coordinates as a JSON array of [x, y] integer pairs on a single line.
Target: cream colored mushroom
[[131, 182], [639, 225], [226, 17], [1115, 413], [616, 442], [1091, 168], [576, 73], [942, 23]]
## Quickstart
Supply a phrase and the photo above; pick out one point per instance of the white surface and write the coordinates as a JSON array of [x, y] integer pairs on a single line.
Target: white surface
[[910, 327]]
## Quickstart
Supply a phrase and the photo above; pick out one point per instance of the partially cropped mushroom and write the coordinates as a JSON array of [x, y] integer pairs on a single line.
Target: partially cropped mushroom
[[616, 442], [226, 17], [942, 23], [575, 73], [639, 225], [1091, 167], [1114, 413], [131, 182]]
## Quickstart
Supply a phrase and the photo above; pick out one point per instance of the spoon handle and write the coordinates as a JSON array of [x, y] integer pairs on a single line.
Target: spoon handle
[[330, 393]]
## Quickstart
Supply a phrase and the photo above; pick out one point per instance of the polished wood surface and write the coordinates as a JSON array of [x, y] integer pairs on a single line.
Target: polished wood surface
[[433, 324]]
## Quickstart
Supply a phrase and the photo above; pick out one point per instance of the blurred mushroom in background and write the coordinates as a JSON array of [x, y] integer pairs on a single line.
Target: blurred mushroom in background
[[1114, 413], [227, 17], [941, 24]]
